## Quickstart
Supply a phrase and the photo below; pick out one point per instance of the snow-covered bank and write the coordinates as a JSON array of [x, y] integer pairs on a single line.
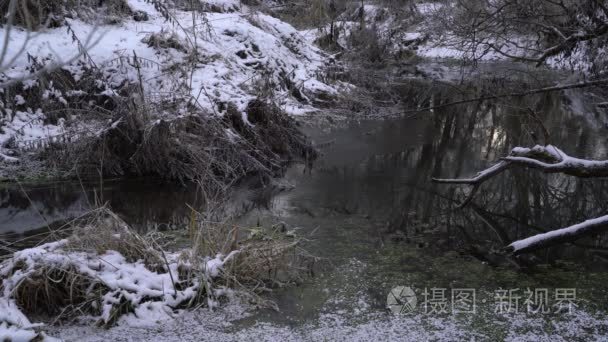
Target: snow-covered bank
[[401, 32], [106, 274], [14, 325], [360, 322], [348, 312], [219, 56]]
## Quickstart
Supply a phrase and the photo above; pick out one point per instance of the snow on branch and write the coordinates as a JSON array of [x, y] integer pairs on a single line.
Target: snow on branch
[[554, 237], [7, 159], [562, 46], [480, 177], [549, 159]]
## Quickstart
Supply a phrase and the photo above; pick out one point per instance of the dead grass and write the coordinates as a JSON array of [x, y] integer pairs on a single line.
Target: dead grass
[[195, 147], [268, 257], [56, 292], [164, 40], [263, 260], [107, 232]]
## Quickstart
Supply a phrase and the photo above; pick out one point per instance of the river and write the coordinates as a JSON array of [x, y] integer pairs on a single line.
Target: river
[[369, 209]]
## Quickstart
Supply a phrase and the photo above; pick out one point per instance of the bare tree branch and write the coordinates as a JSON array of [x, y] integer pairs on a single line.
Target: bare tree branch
[[548, 159], [559, 236], [583, 84], [480, 177], [522, 30]]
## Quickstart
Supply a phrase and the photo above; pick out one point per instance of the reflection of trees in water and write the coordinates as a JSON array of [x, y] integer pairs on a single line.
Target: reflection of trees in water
[[59, 196], [143, 203], [521, 203], [140, 203], [459, 141], [36, 207]]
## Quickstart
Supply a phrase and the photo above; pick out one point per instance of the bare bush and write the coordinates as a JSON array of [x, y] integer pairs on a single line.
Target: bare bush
[[36, 14], [528, 31]]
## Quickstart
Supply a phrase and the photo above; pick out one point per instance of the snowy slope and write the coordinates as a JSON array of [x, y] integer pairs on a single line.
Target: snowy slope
[[229, 55]]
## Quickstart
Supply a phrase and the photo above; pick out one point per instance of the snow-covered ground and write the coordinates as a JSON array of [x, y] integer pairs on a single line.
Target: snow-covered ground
[[407, 33], [349, 314], [217, 326], [220, 57], [346, 312], [153, 295]]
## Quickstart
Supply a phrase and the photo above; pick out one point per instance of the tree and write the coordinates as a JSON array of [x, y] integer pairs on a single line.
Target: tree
[[527, 31], [533, 32], [548, 159]]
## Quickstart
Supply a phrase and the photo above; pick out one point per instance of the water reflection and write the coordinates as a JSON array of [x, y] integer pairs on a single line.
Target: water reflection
[[383, 170], [29, 213]]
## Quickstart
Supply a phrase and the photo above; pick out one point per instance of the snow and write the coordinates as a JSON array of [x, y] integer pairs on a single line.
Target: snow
[[347, 314], [8, 159], [533, 240], [417, 32], [223, 325], [428, 7], [152, 294], [14, 326], [236, 53], [561, 160], [214, 266], [15, 334]]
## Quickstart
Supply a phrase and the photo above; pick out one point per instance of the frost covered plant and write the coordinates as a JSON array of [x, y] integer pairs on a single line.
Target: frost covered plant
[[267, 257], [109, 273], [104, 270]]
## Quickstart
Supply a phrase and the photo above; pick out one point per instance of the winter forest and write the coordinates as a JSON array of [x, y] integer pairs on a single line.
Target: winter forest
[[303, 170]]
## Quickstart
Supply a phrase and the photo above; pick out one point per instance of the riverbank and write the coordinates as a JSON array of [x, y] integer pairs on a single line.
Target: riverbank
[[100, 271], [151, 95]]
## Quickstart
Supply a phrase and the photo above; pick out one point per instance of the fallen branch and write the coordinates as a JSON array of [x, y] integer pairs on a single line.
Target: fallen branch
[[564, 45], [548, 159], [558, 236], [480, 177], [8, 159]]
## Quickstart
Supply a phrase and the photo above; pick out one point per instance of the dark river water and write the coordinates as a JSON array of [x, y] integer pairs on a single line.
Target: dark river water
[[370, 209]]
